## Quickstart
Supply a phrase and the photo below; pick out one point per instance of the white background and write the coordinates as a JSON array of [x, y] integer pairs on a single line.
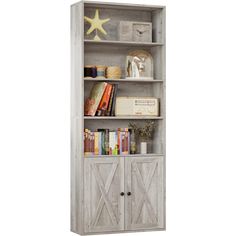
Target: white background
[[35, 106]]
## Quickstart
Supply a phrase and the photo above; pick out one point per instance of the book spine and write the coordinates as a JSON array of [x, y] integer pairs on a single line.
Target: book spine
[[126, 142], [89, 143], [113, 146], [103, 143], [103, 150], [106, 141], [105, 99], [85, 142], [114, 100], [110, 142], [115, 152], [100, 143], [118, 141], [96, 145], [108, 113], [123, 142], [93, 144]]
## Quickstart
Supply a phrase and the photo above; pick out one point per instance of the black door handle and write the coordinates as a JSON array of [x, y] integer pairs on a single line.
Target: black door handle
[[122, 194], [129, 193]]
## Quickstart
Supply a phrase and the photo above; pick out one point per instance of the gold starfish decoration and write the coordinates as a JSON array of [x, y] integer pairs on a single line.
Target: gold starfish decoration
[[96, 24]]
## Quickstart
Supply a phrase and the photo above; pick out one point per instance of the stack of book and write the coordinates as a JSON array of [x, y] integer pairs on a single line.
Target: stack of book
[[101, 101], [106, 142]]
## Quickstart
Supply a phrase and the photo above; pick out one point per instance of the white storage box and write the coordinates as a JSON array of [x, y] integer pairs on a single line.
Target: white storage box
[[137, 106]]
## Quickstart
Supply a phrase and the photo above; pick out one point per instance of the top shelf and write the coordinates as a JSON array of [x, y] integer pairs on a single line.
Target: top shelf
[[122, 6], [122, 43]]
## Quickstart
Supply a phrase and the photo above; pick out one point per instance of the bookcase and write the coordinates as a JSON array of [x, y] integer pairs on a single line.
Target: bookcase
[[116, 193]]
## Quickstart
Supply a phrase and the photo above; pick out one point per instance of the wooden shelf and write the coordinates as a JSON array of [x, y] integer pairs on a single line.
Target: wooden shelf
[[126, 80], [123, 117], [128, 155], [121, 6], [124, 43]]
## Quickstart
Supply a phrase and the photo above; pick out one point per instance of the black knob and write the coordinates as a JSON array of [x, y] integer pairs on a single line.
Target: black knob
[[122, 194], [129, 193]]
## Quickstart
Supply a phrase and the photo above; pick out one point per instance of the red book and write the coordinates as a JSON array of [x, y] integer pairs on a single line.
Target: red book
[[105, 98]]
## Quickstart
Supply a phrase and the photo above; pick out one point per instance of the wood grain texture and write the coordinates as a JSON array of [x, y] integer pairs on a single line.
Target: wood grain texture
[[122, 6], [131, 89], [123, 43], [123, 118], [144, 207], [77, 59], [115, 17], [104, 206], [125, 80], [96, 206]]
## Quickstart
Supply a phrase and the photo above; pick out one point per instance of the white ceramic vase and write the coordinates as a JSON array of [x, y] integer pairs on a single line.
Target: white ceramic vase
[[143, 147]]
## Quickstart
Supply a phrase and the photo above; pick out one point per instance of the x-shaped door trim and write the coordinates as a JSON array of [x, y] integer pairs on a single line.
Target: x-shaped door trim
[[144, 186], [104, 190]]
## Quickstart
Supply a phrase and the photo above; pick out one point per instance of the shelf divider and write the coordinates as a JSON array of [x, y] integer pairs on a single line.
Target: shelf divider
[[123, 117], [127, 155], [124, 43], [125, 80]]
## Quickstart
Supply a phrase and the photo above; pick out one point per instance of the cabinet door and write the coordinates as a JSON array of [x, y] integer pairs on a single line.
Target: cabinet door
[[144, 206], [104, 203]]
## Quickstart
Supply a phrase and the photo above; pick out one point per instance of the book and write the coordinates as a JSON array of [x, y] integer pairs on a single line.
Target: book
[[103, 148], [105, 142], [94, 98], [86, 142], [113, 146], [114, 100], [108, 112], [99, 143], [96, 144], [122, 137], [103, 105]]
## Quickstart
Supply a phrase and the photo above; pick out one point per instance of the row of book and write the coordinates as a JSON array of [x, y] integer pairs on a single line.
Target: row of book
[[101, 101], [106, 142]]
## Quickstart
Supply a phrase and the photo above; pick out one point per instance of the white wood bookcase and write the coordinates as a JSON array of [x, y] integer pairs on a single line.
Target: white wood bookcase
[[97, 205]]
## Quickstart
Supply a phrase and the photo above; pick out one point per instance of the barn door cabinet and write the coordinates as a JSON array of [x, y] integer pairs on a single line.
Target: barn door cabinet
[[116, 193], [123, 193]]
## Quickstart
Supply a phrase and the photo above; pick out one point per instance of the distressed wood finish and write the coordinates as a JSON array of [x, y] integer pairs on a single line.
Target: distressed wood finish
[[144, 207], [104, 206], [77, 91], [96, 182], [111, 55], [121, 43], [122, 118], [124, 80], [115, 18]]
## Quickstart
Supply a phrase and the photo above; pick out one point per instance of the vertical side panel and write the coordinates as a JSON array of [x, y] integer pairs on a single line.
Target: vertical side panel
[[164, 111], [77, 61], [159, 35]]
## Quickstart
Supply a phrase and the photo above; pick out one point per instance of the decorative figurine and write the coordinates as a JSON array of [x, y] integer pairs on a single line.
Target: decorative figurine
[[96, 24], [139, 64]]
